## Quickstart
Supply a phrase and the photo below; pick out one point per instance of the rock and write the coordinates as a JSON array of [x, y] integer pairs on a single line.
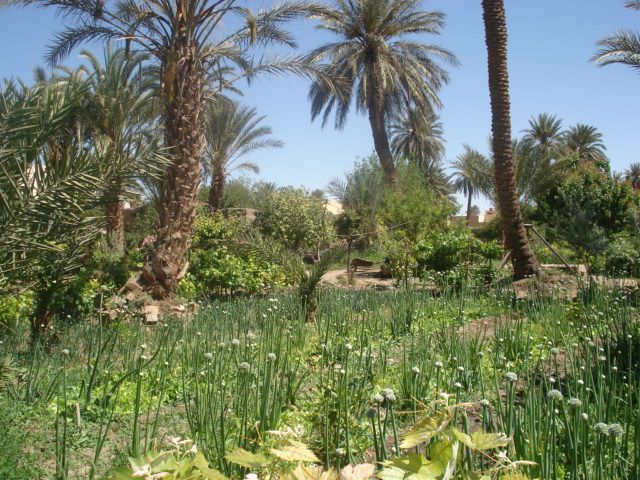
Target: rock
[[360, 262], [179, 308], [151, 314]]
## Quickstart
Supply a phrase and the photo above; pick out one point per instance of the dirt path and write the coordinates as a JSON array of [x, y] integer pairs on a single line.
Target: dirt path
[[364, 279]]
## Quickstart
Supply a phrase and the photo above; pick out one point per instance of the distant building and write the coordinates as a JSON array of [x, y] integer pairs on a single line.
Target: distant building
[[475, 220], [334, 207]]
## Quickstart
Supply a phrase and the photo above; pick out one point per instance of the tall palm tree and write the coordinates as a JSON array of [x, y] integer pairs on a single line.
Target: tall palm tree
[[467, 168], [184, 37], [632, 175], [523, 259], [50, 179], [417, 136], [622, 47], [585, 142], [545, 132], [374, 65], [232, 131], [436, 178], [120, 116]]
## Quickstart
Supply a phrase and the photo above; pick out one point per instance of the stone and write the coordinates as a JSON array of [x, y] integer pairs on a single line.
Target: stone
[[151, 314]]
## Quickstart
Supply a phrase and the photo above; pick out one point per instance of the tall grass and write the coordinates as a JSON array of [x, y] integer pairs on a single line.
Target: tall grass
[[560, 377]]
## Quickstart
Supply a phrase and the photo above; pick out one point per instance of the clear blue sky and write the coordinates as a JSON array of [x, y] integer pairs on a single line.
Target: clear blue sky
[[551, 42]]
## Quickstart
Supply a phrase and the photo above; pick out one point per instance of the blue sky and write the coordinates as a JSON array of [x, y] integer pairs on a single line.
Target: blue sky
[[551, 42]]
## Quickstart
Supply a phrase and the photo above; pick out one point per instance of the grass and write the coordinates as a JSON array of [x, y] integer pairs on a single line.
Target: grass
[[560, 377]]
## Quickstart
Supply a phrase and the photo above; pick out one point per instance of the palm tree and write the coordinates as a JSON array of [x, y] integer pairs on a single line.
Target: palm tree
[[515, 234], [120, 116], [416, 136], [586, 144], [621, 47], [180, 36], [50, 179], [467, 167], [632, 175], [232, 131], [436, 178], [374, 65], [545, 132]]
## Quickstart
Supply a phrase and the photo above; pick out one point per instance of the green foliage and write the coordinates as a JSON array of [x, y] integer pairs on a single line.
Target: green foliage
[[143, 225], [294, 218], [220, 261], [444, 251], [14, 308], [16, 441], [179, 463], [444, 442], [622, 256], [453, 250], [348, 224], [411, 208], [586, 207], [76, 300]]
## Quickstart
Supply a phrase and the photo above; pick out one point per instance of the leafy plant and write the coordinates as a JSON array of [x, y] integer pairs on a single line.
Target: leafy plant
[[295, 218]]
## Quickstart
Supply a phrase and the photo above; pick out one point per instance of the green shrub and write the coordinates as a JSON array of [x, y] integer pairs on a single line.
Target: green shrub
[[452, 251], [14, 308], [219, 262], [78, 298], [587, 207], [294, 218], [413, 210], [622, 257]]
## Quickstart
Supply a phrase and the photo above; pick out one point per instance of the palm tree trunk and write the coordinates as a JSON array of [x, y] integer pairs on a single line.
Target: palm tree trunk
[[184, 133], [216, 192], [114, 212], [523, 258], [469, 200], [381, 140]]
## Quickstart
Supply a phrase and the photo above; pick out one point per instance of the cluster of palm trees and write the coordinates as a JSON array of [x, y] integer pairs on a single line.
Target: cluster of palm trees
[[540, 156], [195, 52], [159, 108]]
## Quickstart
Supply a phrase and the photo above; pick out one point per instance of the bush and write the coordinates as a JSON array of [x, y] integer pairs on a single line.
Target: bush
[[587, 207], [14, 308], [220, 262], [294, 218], [412, 209], [447, 251], [621, 256]]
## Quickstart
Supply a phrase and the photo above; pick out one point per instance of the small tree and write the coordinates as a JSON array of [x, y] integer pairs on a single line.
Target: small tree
[[587, 207], [292, 217]]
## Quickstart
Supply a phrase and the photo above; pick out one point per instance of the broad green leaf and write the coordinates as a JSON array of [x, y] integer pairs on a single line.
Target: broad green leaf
[[450, 470], [487, 441], [303, 472], [514, 476], [416, 466], [295, 452], [205, 470], [480, 440], [426, 428], [463, 438], [441, 453], [244, 458], [391, 473], [363, 471]]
